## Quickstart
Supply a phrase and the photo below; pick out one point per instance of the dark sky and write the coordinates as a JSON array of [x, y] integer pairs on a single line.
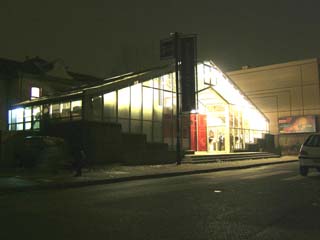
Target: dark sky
[[103, 37]]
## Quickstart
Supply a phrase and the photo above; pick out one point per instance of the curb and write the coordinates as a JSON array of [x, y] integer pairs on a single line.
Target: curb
[[66, 185]]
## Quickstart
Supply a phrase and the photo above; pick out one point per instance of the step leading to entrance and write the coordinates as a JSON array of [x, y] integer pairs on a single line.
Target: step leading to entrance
[[208, 158]]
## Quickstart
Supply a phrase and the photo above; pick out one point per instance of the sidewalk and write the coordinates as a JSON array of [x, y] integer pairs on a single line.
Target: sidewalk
[[18, 180]]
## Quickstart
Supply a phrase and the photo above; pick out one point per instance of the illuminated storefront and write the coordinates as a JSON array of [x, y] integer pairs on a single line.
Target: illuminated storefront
[[145, 103]]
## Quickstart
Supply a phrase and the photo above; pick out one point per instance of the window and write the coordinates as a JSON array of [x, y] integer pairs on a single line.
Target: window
[[36, 115], [110, 106], [313, 141], [55, 110], [35, 92], [65, 110], [27, 118], [136, 98], [123, 102], [76, 108]]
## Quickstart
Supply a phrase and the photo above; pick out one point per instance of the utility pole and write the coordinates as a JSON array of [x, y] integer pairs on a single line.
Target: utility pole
[[177, 59]]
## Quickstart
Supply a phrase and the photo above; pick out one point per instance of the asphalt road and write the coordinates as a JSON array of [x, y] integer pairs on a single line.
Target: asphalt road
[[271, 202]]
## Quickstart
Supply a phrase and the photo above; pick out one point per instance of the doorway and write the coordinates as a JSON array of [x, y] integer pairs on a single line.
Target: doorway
[[216, 139]]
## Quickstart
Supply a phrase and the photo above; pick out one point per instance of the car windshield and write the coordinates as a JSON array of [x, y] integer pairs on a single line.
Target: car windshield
[[313, 141]]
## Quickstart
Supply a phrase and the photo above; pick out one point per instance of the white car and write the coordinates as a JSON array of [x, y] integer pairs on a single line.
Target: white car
[[309, 155]]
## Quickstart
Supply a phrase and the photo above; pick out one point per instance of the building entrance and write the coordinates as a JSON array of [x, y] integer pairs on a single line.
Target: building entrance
[[217, 139]]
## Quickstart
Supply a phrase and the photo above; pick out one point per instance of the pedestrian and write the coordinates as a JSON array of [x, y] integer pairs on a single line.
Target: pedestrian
[[80, 162]]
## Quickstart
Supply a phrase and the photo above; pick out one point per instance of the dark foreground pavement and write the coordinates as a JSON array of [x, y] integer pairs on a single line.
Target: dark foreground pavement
[[19, 180], [270, 202]]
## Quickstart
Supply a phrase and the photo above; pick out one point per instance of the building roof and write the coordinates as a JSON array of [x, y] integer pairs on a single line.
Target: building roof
[[9, 67], [39, 66], [272, 66], [108, 84]]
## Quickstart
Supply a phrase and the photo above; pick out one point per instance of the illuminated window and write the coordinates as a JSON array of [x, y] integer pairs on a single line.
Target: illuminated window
[[147, 103], [55, 110], [110, 106], [65, 110], [123, 102], [76, 108], [136, 98], [17, 119], [27, 118], [36, 116], [35, 92]]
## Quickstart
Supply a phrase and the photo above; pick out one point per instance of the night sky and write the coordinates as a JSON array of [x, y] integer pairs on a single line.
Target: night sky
[[104, 37]]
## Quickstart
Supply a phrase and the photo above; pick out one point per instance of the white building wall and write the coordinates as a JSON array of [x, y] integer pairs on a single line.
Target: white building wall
[[280, 90]]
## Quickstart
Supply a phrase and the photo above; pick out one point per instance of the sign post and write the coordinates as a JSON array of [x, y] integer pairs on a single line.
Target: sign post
[[183, 49], [177, 58]]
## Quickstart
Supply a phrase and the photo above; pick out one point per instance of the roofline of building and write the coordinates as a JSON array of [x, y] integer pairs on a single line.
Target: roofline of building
[[91, 88], [272, 66], [124, 80], [242, 92]]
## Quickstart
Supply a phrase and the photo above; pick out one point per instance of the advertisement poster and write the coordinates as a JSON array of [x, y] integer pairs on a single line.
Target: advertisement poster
[[297, 124]]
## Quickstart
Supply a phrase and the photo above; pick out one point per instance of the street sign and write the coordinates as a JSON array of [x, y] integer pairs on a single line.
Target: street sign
[[188, 73], [166, 49]]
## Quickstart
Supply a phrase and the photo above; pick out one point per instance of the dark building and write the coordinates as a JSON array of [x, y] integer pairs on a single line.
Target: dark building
[[33, 78]]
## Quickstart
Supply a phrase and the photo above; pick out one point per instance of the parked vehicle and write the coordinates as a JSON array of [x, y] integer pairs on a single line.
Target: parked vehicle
[[309, 155]]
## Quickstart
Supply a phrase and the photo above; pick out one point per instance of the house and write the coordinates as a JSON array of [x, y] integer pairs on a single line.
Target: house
[[33, 78]]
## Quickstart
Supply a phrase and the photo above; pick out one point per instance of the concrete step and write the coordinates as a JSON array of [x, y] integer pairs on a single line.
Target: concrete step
[[207, 158]]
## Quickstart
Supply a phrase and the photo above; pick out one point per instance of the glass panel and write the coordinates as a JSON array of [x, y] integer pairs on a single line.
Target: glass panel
[[19, 115], [157, 83], [148, 83], [123, 102], [65, 110], [76, 108], [27, 126], [168, 129], [124, 124], [55, 110], [14, 116], [167, 82], [147, 103], [36, 125], [147, 130], [173, 77], [136, 98], [96, 108], [20, 126], [36, 113], [110, 106], [9, 117], [157, 106], [136, 126], [35, 92], [167, 102], [157, 132]]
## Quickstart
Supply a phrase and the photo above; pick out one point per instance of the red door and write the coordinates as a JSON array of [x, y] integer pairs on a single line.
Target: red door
[[193, 131], [198, 137], [202, 132]]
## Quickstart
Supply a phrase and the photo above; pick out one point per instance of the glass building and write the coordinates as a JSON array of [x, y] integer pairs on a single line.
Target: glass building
[[224, 120]]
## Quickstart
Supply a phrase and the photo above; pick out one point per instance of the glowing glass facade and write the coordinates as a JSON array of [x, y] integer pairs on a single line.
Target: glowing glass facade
[[231, 120], [145, 103]]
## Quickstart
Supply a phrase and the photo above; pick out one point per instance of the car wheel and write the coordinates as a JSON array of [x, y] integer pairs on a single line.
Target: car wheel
[[304, 171]]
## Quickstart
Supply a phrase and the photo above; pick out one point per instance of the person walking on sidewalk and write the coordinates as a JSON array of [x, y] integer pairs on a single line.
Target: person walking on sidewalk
[[80, 160]]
